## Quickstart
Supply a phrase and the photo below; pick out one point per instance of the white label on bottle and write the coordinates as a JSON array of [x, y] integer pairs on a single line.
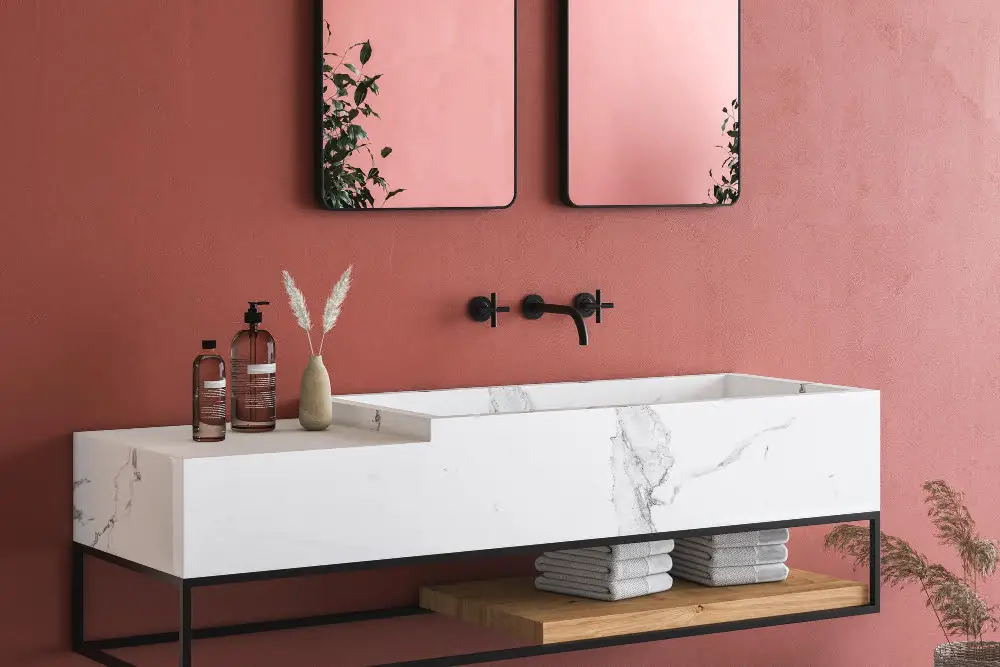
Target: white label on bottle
[[215, 384], [261, 369]]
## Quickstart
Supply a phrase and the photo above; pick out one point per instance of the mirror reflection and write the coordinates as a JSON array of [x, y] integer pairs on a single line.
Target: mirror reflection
[[652, 103]]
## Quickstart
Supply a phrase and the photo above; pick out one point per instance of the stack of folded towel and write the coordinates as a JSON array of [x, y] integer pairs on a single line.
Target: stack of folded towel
[[607, 573], [733, 559]]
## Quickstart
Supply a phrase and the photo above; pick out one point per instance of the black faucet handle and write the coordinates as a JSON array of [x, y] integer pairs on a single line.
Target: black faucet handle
[[482, 309], [590, 304]]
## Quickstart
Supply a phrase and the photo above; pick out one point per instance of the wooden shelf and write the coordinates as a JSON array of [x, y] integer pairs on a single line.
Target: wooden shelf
[[514, 607]]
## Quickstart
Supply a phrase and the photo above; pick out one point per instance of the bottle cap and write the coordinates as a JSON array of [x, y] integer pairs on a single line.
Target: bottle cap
[[208, 344]]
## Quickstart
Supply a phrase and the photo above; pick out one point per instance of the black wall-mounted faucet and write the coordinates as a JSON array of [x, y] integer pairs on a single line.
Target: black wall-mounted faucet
[[483, 309], [534, 306]]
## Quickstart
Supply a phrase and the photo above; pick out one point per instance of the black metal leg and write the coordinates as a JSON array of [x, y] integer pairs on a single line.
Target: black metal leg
[[76, 603], [185, 632], [78, 626], [875, 561]]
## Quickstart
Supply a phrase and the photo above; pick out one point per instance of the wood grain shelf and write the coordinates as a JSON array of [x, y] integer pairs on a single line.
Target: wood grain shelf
[[514, 607]]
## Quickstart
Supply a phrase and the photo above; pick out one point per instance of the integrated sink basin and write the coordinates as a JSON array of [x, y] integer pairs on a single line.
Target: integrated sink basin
[[409, 474], [584, 395]]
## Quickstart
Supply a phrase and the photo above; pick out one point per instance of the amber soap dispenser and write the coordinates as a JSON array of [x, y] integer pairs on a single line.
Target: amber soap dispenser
[[252, 375], [209, 419]]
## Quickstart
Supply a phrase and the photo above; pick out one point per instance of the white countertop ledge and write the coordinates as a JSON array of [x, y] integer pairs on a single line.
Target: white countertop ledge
[[288, 436]]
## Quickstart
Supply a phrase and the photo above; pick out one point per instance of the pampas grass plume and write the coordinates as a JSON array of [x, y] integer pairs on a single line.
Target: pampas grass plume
[[331, 313], [297, 302]]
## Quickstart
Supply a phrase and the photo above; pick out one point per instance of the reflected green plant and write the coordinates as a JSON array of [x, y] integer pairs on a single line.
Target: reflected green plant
[[727, 190], [346, 90]]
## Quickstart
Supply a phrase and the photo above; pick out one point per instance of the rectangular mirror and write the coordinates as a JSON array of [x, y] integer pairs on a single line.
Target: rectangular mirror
[[417, 106], [651, 113]]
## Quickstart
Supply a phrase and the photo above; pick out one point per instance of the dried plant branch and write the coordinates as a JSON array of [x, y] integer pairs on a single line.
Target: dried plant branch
[[901, 563], [297, 302], [954, 600], [331, 313], [851, 541], [961, 609], [955, 527]]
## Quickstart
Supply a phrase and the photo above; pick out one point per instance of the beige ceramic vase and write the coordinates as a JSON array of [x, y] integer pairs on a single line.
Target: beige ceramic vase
[[315, 409]]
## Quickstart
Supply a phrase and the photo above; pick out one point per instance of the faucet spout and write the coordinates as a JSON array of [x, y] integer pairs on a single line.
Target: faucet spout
[[534, 307]]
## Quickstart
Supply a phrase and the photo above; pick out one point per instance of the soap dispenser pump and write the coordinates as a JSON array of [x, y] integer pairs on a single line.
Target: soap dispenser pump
[[253, 371]]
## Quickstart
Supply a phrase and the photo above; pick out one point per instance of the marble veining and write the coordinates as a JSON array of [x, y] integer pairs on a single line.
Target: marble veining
[[735, 455], [642, 463], [129, 475], [78, 514], [505, 400]]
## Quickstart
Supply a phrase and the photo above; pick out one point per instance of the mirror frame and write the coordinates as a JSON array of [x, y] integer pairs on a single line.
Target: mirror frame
[[564, 124], [317, 134]]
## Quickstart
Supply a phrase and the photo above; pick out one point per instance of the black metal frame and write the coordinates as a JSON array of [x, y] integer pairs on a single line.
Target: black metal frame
[[318, 128], [564, 115], [96, 649]]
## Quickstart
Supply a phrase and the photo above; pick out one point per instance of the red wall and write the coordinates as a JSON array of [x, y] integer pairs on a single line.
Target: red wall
[[155, 173]]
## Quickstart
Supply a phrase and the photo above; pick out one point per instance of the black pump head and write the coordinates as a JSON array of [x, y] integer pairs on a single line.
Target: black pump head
[[254, 316]]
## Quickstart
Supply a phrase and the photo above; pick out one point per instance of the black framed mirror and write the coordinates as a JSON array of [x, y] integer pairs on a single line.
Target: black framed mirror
[[650, 103], [416, 104]]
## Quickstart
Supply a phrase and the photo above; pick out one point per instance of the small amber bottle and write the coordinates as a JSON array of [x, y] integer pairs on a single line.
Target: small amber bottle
[[209, 420]]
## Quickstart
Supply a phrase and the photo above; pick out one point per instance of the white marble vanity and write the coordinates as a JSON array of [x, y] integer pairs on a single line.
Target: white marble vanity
[[419, 473]]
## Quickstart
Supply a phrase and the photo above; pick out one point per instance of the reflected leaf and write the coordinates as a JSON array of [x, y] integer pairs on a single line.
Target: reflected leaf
[[360, 93]]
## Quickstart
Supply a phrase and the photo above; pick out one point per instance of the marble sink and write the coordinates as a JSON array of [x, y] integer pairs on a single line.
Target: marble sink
[[408, 474]]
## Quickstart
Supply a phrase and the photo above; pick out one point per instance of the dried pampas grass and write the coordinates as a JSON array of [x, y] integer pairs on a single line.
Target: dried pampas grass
[[297, 302], [955, 601], [331, 313], [334, 303]]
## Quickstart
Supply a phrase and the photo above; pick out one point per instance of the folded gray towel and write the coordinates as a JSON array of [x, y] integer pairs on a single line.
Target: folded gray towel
[[732, 576], [612, 569], [565, 568], [556, 569], [618, 590], [728, 556], [750, 539], [625, 551]]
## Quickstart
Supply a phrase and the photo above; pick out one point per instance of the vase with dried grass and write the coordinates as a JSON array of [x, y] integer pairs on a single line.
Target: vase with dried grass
[[315, 408], [961, 613]]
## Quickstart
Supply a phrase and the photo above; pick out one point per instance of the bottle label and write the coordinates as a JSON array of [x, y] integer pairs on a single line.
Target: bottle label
[[261, 369], [215, 384]]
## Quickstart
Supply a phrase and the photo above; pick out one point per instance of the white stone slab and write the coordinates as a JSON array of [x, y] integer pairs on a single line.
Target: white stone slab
[[417, 473]]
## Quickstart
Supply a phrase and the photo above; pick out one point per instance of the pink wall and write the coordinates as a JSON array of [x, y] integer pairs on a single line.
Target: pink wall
[[446, 96], [137, 217], [647, 84]]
